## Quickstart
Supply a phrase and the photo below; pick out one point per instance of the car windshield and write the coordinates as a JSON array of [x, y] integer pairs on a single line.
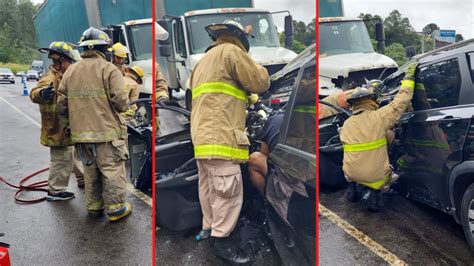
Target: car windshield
[[141, 42], [5, 71], [344, 37], [263, 29], [32, 72]]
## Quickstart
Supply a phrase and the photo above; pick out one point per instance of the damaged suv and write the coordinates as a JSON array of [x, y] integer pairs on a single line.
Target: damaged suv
[[433, 149]]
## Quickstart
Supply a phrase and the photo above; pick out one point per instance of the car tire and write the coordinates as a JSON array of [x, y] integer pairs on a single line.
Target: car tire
[[467, 215]]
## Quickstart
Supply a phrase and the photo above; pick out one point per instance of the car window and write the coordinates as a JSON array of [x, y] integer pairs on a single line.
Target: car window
[[302, 121], [470, 60], [442, 82]]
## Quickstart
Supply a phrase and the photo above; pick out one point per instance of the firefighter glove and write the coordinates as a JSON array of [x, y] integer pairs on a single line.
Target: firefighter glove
[[411, 70], [47, 93]]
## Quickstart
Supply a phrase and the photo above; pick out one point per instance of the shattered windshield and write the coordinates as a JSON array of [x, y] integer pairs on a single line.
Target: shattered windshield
[[140, 38], [344, 37], [263, 29]]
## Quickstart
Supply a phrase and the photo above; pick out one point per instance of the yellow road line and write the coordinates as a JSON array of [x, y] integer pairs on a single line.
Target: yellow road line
[[142, 196], [365, 240]]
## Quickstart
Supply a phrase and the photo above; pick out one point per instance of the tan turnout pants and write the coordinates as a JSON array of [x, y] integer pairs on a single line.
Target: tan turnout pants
[[104, 175], [60, 168], [220, 194]]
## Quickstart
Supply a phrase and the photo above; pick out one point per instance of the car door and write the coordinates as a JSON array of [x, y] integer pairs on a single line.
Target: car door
[[291, 183], [430, 137]]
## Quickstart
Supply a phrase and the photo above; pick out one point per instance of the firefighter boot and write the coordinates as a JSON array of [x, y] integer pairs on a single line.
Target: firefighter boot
[[352, 195], [371, 199], [226, 249]]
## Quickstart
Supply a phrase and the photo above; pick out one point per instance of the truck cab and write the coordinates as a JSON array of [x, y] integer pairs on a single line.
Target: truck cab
[[189, 41], [137, 36], [347, 57]]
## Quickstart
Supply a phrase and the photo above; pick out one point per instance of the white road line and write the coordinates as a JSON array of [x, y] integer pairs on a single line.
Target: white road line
[[19, 111], [145, 198], [365, 240]]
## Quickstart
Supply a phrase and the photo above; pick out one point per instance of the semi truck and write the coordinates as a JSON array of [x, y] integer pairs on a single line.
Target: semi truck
[[346, 54], [128, 22], [185, 20]]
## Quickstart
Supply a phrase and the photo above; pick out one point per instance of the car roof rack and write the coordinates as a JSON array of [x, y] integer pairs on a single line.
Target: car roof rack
[[445, 48]]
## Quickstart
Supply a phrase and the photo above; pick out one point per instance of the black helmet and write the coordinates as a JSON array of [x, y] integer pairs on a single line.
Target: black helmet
[[94, 37], [361, 93], [232, 27], [62, 48]]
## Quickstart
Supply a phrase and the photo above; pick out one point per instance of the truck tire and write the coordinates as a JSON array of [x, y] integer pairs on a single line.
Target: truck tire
[[188, 97], [467, 215]]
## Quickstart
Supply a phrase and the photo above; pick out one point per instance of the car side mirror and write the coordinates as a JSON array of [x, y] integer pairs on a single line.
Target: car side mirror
[[164, 45], [410, 51]]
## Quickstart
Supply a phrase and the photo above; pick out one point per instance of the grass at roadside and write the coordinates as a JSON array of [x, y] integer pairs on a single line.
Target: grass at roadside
[[15, 67]]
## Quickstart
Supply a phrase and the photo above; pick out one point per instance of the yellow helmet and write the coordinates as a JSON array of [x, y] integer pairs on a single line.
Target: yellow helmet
[[139, 72], [119, 50]]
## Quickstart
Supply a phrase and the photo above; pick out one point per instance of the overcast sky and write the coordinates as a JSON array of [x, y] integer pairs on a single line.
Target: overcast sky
[[447, 14], [301, 10]]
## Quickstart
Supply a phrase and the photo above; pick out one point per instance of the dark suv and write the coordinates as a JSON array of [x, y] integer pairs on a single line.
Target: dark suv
[[433, 149]]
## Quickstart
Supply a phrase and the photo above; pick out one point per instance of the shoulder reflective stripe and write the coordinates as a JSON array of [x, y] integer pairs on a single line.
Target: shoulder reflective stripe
[[408, 83], [87, 93], [426, 143], [305, 109], [221, 150], [219, 87], [365, 146]]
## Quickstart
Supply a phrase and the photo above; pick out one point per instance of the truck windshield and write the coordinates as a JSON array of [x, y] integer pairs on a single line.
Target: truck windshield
[[263, 29], [141, 42], [343, 37]]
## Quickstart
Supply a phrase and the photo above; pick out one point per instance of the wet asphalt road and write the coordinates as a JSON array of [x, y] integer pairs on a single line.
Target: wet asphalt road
[[58, 233], [416, 234]]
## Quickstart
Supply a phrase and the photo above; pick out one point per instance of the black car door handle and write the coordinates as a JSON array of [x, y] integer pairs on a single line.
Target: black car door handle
[[451, 118]]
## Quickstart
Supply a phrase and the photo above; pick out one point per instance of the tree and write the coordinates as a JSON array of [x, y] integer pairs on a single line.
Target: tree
[[396, 51], [430, 28], [399, 30], [459, 37]]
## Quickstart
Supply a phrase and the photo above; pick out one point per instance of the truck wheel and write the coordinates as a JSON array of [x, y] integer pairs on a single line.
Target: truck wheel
[[188, 97], [467, 215]]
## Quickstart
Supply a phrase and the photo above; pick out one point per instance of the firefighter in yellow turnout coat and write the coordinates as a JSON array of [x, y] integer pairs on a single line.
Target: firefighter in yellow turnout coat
[[220, 83], [364, 138], [91, 96], [53, 132]]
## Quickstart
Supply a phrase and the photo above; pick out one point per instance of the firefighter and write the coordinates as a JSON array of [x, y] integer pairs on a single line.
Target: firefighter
[[364, 139], [53, 132], [133, 79], [161, 92], [220, 83], [119, 54], [90, 97]]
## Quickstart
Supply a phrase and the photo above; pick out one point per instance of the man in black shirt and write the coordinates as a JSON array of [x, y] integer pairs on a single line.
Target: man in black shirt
[[257, 164]]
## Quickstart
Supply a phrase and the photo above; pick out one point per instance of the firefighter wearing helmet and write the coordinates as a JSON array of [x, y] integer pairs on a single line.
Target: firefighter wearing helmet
[[364, 139], [91, 97], [53, 131], [119, 54], [220, 84]]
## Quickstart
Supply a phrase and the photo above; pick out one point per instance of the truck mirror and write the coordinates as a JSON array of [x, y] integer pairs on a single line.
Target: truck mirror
[[410, 51], [165, 50], [164, 24], [379, 32], [289, 31]]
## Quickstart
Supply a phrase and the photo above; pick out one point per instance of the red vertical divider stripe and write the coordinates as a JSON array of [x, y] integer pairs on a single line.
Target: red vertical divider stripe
[[153, 209]]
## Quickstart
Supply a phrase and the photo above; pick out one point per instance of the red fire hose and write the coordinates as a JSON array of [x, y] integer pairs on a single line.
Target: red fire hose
[[38, 186]]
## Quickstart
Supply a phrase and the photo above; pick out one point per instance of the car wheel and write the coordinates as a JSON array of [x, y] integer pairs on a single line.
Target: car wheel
[[467, 215]]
